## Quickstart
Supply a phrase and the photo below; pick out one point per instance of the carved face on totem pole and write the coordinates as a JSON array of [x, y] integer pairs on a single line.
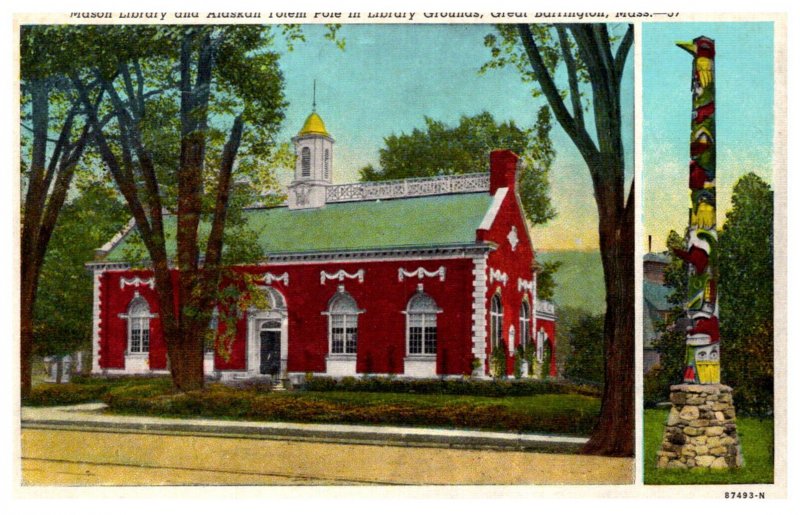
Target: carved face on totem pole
[[702, 334]]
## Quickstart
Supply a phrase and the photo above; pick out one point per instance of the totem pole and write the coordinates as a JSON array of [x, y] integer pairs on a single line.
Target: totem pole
[[701, 428], [702, 339]]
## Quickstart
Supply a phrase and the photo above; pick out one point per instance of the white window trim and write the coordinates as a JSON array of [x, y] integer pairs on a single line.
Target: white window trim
[[524, 323], [126, 316], [423, 354], [541, 336], [493, 318], [355, 314]]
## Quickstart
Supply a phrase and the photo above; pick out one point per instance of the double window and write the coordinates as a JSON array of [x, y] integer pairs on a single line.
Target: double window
[[139, 326], [343, 323], [421, 323]]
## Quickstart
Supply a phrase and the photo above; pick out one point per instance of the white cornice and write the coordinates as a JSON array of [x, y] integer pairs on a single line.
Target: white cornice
[[470, 250], [102, 266]]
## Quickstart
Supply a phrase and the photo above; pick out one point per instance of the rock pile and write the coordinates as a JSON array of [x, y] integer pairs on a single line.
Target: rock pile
[[701, 429]]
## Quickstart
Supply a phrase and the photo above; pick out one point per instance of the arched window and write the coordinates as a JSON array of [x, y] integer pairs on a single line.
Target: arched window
[[541, 340], [305, 161], [275, 299], [139, 326], [326, 163], [496, 321], [421, 313], [524, 324], [343, 323], [211, 334]]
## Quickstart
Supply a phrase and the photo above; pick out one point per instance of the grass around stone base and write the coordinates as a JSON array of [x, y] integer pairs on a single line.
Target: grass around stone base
[[755, 435]]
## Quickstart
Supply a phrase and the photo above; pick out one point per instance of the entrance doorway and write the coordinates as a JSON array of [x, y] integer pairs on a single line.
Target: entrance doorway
[[270, 339]]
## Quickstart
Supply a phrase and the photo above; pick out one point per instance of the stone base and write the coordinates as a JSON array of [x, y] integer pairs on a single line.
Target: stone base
[[701, 429]]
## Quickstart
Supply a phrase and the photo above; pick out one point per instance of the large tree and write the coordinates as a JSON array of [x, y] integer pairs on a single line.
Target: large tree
[[746, 295], [589, 55], [441, 149], [54, 139], [181, 109]]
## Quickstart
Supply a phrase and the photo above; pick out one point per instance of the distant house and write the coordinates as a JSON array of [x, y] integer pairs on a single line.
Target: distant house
[[656, 306], [416, 278]]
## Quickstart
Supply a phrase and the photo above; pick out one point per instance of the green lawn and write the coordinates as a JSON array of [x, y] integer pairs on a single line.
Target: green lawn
[[755, 436]]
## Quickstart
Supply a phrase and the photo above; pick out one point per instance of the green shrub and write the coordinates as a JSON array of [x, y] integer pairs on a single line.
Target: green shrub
[[63, 394], [518, 363], [94, 389], [468, 386], [498, 362], [656, 386]]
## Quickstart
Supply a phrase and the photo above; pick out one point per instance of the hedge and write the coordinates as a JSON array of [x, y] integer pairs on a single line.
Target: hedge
[[516, 388], [65, 393], [219, 401], [92, 389]]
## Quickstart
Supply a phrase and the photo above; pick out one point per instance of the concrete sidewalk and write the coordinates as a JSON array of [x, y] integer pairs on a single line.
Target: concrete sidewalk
[[91, 417]]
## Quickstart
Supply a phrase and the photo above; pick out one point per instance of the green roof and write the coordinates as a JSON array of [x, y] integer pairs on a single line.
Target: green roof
[[364, 225], [657, 257]]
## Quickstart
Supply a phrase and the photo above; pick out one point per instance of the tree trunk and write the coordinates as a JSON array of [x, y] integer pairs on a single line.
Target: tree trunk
[[614, 433], [189, 375], [26, 345]]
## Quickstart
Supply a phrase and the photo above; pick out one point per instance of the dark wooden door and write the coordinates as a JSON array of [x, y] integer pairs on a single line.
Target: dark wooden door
[[270, 352]]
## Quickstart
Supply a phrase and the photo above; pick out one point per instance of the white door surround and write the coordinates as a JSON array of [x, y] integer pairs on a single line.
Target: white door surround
[[255, 319]]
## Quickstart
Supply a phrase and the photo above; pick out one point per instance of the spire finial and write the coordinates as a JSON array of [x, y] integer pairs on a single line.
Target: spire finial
[[314, 98]]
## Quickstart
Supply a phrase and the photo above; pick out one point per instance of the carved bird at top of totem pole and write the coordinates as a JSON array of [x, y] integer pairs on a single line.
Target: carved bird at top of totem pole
[[703, 49]]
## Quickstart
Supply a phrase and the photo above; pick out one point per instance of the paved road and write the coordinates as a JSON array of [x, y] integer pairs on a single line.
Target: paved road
[[79, 457]]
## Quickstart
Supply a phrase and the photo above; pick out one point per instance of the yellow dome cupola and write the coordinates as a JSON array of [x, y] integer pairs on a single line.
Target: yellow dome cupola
[[313, 125], [313, 170]]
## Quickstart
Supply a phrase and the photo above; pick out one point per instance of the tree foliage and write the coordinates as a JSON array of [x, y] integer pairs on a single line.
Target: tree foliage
[[671, 343], [441, 149], [580, 341], [63, 314], [546, 279], [192, 112], [746, 295]]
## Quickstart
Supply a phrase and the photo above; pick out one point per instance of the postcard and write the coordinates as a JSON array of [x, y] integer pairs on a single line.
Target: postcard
[[542, 252]]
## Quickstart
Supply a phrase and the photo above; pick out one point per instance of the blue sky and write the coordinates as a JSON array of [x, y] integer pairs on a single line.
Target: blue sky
[[390, 76], [744, 111]]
